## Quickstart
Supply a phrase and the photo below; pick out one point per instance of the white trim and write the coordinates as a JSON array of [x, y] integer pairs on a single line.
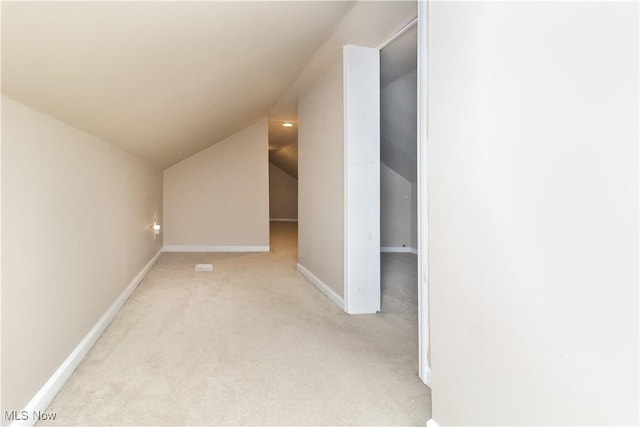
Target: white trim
[[198, 248], [284, 219], [399, 249], [45, 395], [423, 197], [427, 376], [432, 423], [345, 198], [398, 33], [322, 287]]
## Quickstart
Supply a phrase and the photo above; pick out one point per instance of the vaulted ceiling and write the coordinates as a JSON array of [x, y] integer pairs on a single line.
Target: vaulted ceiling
[[283, 145], [162, 80], [398, 105]]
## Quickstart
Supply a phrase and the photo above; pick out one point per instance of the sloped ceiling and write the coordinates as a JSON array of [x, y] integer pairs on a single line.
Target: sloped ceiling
[[283, 145], [367, 23], [162, 80], [398, 105]]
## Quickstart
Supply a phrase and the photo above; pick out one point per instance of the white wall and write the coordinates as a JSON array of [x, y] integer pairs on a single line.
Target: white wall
[[395, 209], [283, 194], [398, 153], [219, 197], [398, 127], [321, 179], [75, 212], [533, 213]]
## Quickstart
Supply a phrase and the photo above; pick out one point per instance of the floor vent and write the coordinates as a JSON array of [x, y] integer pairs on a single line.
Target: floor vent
[[204, 267]]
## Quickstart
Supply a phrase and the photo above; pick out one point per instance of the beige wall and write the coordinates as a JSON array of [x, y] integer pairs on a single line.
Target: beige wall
[[395, 209], [321, 179], [220, 196], [75, 218], [533, 213], [283, 194]]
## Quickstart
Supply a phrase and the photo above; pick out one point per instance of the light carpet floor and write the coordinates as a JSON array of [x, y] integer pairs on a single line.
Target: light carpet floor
[[251, 343]]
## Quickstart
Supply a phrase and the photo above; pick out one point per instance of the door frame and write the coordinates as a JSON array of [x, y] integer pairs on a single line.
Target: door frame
[[424, 366], [423, 198]]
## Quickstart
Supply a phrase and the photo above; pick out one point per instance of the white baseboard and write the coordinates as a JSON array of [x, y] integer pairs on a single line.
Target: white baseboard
[[322, 287], [401, 249], [284, 219], [45, 395], [184, 248], [427, 377], [432, 423]]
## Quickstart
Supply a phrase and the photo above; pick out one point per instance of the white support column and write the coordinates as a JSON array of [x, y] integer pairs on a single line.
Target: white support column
[[362, 179]]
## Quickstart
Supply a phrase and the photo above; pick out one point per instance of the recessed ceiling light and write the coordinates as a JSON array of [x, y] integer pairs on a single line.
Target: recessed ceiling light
[[287, 125]]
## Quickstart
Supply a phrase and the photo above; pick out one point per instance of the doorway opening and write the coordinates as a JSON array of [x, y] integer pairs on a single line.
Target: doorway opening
[[283, 183], [399, 174]]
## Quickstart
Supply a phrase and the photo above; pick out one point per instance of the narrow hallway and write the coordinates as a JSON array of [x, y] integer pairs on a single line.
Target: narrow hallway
[[251, 343]]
